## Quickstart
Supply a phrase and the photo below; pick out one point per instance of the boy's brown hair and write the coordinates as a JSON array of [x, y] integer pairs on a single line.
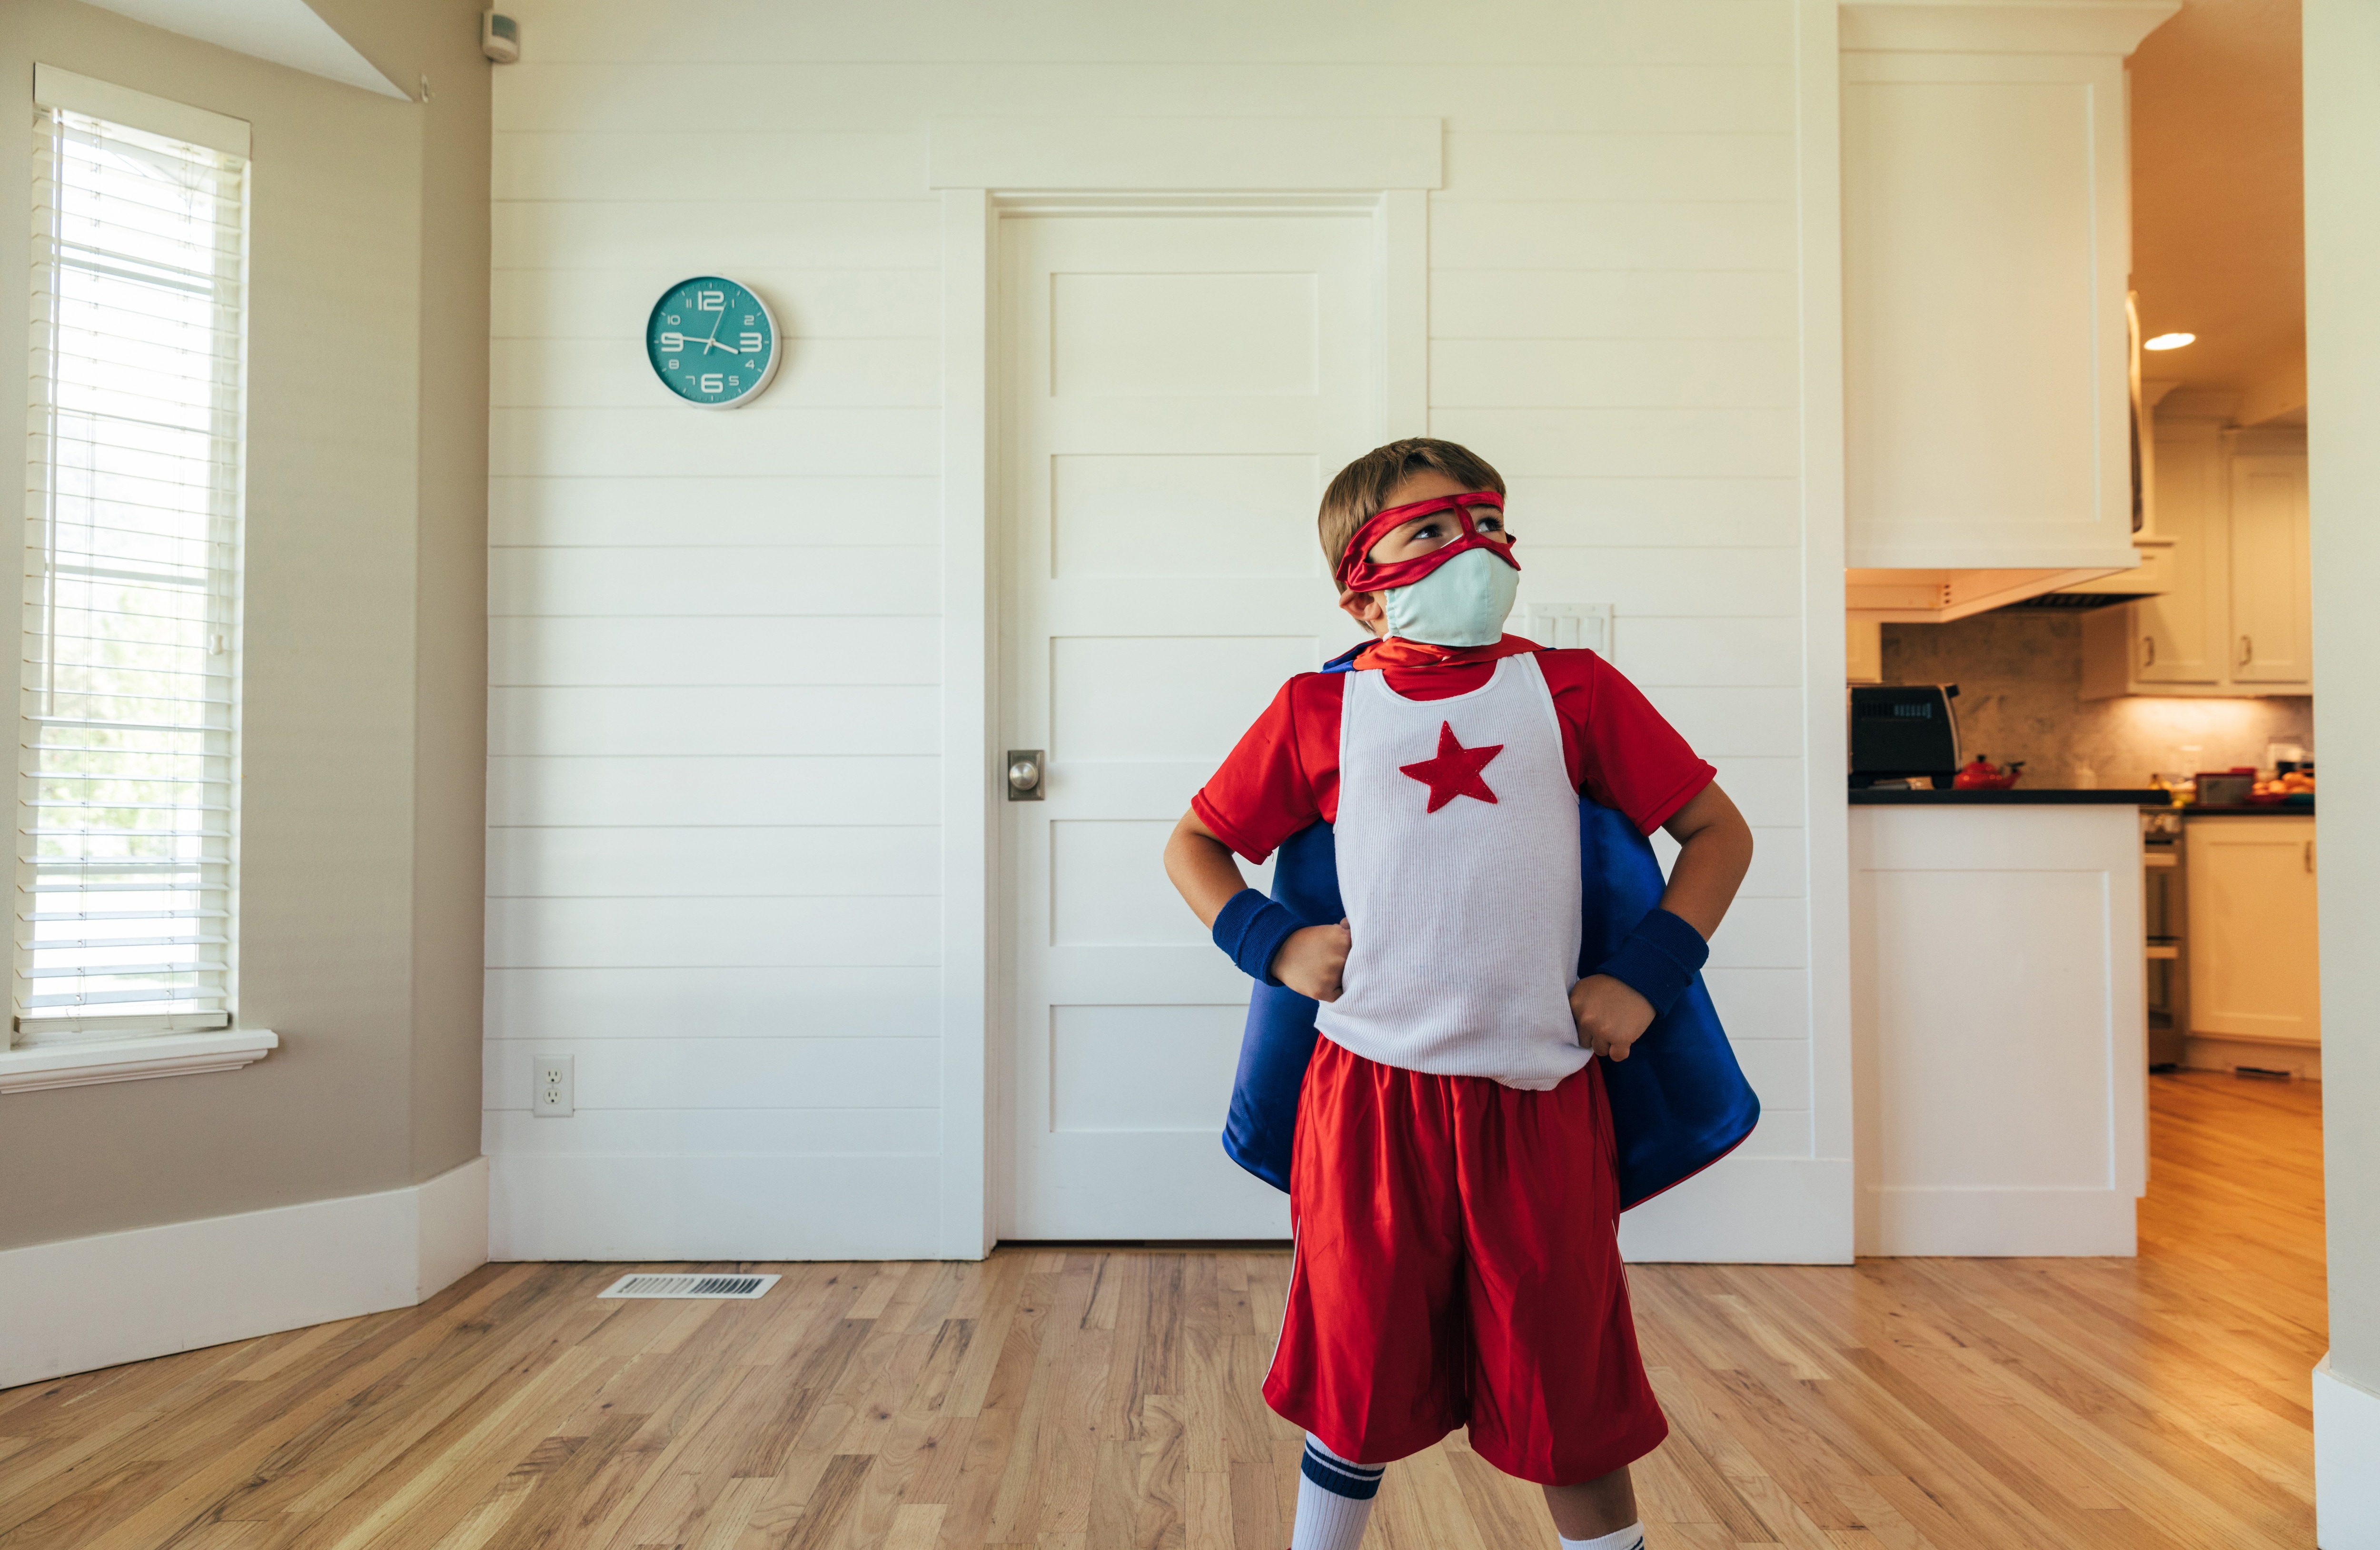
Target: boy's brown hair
[[1361, 490]]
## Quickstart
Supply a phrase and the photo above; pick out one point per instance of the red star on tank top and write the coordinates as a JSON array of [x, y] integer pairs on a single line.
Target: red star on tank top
[[1455, 771]]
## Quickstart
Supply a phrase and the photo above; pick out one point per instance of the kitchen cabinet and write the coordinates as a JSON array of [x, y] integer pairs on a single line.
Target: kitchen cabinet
[[2181, 633], [2236, 618], [1986, 234], [2272, 572], [2253, 968]]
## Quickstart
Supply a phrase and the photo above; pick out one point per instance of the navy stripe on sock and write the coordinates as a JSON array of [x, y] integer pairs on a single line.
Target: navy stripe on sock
[[1355, 1482]]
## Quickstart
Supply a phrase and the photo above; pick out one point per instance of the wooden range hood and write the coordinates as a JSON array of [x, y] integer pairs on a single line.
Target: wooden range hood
[[1936, 597]]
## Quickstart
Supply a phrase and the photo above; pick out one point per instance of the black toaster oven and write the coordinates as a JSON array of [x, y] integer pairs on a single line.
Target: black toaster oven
[[1899, 730]]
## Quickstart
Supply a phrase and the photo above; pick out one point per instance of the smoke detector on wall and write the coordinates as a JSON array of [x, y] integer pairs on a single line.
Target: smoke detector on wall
[[499, 37]]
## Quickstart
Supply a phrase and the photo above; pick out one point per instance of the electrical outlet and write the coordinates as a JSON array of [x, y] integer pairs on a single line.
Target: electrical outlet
[[549, 1096]]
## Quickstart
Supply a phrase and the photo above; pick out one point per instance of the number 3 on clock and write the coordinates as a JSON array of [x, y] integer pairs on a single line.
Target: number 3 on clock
[[690, 349]]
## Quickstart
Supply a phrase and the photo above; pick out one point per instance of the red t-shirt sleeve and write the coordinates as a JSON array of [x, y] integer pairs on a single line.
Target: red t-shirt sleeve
[[1267, 790], [1621, 751]]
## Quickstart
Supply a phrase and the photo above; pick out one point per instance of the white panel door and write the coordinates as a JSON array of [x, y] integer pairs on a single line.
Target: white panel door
[[2271, 572], [1176, 391], [2254, 968]]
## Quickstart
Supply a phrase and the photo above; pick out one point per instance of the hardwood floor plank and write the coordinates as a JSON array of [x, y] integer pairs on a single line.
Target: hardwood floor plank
[[783, 1507], [455, 1457], [725, 1521], [820, 1523], [1256, 1516]]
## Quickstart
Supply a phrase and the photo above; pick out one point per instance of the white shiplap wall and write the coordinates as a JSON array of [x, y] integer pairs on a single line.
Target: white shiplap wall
[[714, 775]]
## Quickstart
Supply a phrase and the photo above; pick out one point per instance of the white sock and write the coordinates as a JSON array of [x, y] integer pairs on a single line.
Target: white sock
[[1334, 1499], [1630, 1538]]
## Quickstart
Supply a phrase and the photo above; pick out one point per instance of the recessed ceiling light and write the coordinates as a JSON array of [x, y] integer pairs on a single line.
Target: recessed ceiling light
[[2169, 342]]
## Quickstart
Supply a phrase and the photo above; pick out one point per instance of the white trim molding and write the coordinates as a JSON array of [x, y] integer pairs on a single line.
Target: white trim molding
[[1162, 155], [42, 1067], [1400, 252], [1969, 1221], [2345, 1445], [1747, 1211], [91, 1302], [971, 595], [138, 110], [1826, 821], [2105, 26]]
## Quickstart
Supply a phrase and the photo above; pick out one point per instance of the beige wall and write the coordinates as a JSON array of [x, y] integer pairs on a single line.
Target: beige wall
[[364, 713], [2342, 143]]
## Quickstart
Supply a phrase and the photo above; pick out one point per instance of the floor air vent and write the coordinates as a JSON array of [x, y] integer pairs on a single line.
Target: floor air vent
[[689, 1286]]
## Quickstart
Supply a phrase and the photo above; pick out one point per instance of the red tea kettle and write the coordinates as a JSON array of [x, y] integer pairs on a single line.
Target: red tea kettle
[[1984, 776]]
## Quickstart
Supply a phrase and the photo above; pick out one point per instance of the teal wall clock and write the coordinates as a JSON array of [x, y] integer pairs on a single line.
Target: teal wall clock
[[713, 342]]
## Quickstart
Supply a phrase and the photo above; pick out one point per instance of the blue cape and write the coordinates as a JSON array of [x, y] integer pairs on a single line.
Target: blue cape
[[1679, 1102]]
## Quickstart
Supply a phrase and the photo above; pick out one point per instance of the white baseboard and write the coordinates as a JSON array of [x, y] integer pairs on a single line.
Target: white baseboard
[[450, 1227], [1990, 1223], [91, 1302], [2346, 1480], [2201, 1052], [737, 1207], [1751, 1211]]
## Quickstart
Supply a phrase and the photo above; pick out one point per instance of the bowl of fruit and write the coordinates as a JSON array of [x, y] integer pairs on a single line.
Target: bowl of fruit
[[2294, 787]]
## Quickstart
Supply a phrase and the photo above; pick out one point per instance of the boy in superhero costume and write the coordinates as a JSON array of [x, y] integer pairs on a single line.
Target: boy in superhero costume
[[1477, 806]]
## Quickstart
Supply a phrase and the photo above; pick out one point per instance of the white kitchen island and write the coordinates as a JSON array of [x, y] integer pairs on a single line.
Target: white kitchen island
[[1999, 1021]]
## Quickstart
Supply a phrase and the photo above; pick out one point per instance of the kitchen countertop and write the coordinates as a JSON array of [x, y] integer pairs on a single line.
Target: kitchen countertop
[[2045, 796], [2248, 810], [2019, 796]]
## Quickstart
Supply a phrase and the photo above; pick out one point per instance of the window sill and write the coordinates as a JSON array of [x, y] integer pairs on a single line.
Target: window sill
[[132, 1059]]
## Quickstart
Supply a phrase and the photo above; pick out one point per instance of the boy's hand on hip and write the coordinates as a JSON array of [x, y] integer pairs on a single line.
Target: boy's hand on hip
[[1312, 960], [1611, 1016]]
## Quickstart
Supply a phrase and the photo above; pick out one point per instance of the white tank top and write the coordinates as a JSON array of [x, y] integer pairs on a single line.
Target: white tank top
[[1457, 838]]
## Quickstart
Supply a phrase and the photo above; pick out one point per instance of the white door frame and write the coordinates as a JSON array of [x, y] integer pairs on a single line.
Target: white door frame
[[987, 169]]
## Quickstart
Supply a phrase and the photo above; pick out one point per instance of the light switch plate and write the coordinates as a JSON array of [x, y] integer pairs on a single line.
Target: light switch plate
[[1566, 627]]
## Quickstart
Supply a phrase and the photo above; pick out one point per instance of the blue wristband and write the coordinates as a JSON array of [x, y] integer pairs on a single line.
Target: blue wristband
[[1250, 930], [1659, 960]]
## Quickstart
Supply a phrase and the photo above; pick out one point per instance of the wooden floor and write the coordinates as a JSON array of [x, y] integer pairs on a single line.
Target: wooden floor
[[1085, 1401]]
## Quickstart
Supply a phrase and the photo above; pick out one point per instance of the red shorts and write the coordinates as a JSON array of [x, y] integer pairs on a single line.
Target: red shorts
[[1458, 1264]]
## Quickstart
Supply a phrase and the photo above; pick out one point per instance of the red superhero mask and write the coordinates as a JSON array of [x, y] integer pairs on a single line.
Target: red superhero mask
[[1357, 572]]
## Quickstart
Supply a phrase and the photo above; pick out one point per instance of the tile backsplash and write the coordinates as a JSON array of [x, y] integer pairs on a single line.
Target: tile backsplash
[[2019, 677]]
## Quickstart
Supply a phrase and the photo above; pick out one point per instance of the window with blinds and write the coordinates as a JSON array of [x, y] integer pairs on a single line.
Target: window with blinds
[[127, 803]]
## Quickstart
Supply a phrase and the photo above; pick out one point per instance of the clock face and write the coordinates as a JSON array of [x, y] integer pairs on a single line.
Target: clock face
[[711, 342]]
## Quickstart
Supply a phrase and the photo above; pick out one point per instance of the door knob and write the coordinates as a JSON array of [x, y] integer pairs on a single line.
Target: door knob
[[1024, 774]]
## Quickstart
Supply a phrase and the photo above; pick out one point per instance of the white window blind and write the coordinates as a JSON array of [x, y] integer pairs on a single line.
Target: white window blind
[[127, 874]]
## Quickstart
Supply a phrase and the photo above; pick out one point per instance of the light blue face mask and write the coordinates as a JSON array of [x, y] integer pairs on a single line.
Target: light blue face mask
[[1464, 602]]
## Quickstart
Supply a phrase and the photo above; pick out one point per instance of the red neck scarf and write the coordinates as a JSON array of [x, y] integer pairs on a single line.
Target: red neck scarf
[[1400, 655]]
